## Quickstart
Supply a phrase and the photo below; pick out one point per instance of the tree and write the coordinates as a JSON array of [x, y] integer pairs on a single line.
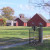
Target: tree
[[45, 5], [4, 21], [7, 12]]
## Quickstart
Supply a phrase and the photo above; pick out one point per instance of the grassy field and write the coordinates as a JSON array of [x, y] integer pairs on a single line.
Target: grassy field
[[44, 46], [46, 30], [18, 32], [13, 33]]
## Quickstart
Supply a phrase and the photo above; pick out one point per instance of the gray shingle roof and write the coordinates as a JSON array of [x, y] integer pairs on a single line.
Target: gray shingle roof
[[43, 18], [23, 19]]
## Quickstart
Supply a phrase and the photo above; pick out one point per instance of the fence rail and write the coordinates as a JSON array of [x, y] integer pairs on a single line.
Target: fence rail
[[36, 35], [33, 35]]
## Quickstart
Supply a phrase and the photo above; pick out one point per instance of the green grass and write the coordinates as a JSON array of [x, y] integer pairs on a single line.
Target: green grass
[[13, 42], [44, 46], [9, 32], [46, 32], [19, 32], [12, 32], [11, 35]]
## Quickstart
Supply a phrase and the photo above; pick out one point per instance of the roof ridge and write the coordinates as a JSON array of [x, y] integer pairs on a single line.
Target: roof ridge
[[43, 17], [23, 19]]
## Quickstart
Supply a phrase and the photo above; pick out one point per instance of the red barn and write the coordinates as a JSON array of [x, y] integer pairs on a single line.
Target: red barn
[[38, 19], [21, 21], [1, 22]]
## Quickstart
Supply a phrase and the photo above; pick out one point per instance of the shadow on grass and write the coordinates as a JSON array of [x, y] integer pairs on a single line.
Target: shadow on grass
[[44, 46], [12, 40], [8, 39]]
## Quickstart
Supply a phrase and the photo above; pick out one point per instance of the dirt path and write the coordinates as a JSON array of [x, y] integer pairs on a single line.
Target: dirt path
[[46, 37], [13, 45]]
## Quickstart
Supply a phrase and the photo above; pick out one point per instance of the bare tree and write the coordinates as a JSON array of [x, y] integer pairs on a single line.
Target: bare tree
[[45, 4]]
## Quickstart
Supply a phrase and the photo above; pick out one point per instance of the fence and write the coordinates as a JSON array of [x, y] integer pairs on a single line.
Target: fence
[[13, 35], [36, 35]]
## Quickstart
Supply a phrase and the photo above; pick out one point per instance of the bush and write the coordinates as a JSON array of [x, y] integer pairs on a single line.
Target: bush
[[4, 21]]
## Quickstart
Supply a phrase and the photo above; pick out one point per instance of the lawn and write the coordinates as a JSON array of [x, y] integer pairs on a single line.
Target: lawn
[[46, 30], [13, 35], [19, 32], [9, 33], [44, 46]]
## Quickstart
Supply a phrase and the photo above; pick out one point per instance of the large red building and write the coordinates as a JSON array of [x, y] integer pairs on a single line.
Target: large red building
[[38, 19]]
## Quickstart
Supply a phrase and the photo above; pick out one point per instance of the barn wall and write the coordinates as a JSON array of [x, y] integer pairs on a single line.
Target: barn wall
[[25, 24], [36, 20], [48, 24], [20, 23], [16, 23]]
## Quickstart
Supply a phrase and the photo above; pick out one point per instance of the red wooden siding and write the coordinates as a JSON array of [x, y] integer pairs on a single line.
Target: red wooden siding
[[25, 24], [48, 24], [20, 23], [16, 23], [1, 22], [36, 20]]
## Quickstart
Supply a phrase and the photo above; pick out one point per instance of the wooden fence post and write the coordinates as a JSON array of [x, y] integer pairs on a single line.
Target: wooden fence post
[[34, 28], [29, 36], [41, 34]]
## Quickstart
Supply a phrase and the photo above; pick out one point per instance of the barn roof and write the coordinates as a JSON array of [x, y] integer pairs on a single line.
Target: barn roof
[[43, 18], [23, 19]]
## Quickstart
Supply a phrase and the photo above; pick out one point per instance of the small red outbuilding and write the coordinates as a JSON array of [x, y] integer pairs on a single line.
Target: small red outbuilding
[[21, 21], [38, 19]]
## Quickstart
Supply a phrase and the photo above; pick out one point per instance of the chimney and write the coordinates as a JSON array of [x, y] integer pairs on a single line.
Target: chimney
[[21, 15]]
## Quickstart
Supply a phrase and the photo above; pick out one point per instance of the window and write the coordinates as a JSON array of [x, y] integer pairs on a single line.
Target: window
[[8, 24], [40, 24], [32, 22], [14, 24]]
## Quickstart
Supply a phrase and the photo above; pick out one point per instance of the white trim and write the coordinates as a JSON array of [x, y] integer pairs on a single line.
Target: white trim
[[11, 21]]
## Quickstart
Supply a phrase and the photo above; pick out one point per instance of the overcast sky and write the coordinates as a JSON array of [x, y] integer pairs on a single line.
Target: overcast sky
[[23, 6]]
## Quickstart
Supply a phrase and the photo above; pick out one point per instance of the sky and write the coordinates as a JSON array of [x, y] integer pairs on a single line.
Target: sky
[[24, 7]]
